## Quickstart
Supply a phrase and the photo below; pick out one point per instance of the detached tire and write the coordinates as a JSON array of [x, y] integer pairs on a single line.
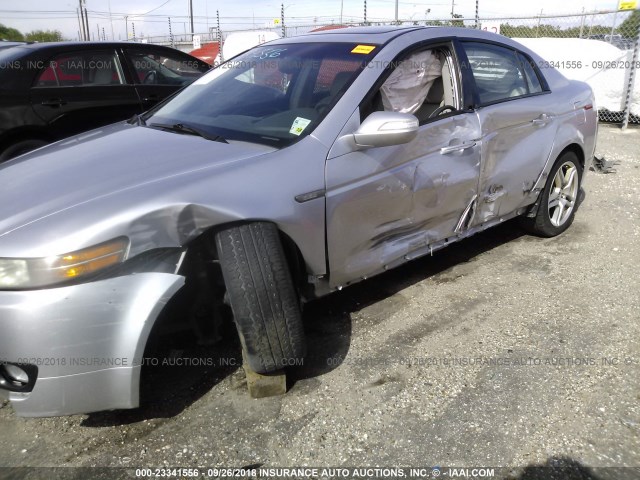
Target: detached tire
[[263, 299], [559, 200]]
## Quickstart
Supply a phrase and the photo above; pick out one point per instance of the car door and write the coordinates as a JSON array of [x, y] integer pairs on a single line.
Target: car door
[[518, 126], [388, 204], [160, 72], [79, 90]]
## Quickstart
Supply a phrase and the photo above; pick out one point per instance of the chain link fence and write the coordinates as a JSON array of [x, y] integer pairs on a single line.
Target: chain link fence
[[597, 47]]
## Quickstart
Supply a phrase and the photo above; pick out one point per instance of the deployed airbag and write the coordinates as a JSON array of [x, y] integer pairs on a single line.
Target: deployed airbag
[[408, 85]]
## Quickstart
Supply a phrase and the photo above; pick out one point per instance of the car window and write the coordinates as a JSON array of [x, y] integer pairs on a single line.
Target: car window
[[421, 84], [266, 74], [270, 94], [533, 81], [332, 74], [496, 71], [81, 69], [154, 68]]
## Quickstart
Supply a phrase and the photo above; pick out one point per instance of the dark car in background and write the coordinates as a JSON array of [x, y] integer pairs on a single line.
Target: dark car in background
[[49, 91], [8, 44]]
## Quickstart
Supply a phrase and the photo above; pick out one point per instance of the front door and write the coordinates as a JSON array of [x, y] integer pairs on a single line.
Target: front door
[[386, 203]]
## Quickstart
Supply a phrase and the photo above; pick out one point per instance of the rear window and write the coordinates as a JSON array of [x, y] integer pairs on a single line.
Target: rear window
[[91, 68]]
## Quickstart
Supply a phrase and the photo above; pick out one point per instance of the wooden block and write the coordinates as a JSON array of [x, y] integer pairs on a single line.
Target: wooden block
[[261, 386]]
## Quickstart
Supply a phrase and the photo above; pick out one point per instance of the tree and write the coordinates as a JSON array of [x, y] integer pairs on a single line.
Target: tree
[[11, 34], [44, 36], [629, 28]]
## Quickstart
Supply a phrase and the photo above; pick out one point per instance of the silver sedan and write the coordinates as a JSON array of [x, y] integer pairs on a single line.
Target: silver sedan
[[295, 169]]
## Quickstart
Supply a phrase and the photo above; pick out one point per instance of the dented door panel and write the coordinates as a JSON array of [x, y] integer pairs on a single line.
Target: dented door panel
[[517, 139], [384, 203]]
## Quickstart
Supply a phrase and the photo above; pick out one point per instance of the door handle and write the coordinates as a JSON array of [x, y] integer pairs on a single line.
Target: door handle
[[53, 102], [457, 148], [542, 120]]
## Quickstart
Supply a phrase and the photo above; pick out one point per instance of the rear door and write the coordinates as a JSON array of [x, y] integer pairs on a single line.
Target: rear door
[[518, 126], [81, 90], [389, 204], [160, 72]]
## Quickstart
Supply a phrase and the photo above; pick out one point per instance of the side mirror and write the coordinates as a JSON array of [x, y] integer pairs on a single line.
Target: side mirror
[[384, 129]]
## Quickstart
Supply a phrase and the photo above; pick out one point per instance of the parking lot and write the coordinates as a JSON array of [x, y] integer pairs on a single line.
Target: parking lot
[[503, 350]]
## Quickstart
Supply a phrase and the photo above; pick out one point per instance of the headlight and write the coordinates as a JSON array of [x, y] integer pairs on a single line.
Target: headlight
[[18, 273]]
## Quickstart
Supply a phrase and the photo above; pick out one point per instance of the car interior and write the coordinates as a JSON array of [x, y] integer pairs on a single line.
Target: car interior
[[422, 84]]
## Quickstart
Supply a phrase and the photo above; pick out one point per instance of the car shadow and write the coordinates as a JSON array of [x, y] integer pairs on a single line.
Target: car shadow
[[565, 468], [178, 372], [328, 320]]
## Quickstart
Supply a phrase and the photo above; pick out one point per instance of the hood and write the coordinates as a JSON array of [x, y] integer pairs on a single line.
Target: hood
[[104, 162]]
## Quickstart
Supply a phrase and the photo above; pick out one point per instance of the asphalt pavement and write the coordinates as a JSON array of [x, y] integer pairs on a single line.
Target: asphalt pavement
[[504, 350]]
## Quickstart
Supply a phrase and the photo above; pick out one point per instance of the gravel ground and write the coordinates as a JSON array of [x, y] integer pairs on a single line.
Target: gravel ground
[[503, 350]]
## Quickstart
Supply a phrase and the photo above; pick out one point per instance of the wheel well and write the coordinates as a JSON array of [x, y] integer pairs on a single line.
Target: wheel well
[[296, 262], [15, 136], [577, 149], [203, 247]]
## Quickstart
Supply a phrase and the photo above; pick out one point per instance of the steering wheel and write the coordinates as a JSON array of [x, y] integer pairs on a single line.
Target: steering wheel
[[150, 77], [441, 110]]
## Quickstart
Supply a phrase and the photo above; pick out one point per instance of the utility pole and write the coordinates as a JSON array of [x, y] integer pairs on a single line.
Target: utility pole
[[113, 36], [126, 27], [453, 5], [86, 21], [191, 15], [396, 12], [341, 10], [81, 22], [365, 12]]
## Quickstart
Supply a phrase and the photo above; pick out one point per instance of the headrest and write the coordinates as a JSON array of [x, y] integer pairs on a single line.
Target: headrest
[[436, 92], [339, 82]]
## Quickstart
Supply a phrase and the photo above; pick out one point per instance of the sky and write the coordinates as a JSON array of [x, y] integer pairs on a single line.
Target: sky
[[150, 17]]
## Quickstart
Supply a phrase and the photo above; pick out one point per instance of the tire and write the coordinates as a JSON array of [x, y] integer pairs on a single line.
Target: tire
[[264, 302], [559, 200], [21, 147]]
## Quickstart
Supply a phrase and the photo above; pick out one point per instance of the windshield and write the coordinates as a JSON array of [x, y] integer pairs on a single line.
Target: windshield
[[273, 95]]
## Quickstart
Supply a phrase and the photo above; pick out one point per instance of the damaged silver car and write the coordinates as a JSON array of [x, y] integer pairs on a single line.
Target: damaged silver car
[[295, 169]]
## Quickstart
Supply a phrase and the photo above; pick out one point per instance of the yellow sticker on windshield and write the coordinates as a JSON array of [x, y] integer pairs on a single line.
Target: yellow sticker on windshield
[[364, 49]]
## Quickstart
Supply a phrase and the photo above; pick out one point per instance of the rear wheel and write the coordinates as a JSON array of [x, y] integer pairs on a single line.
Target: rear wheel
[[21, 147], [559, 200], [263, 299]]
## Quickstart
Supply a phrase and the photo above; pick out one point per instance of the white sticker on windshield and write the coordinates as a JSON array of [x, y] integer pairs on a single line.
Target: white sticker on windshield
[[299, 124]]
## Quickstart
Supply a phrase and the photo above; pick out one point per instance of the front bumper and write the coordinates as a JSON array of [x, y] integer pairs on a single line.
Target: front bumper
[[87, 341]]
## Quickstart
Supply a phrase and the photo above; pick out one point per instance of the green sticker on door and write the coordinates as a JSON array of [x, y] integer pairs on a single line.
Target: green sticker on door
[[299, 124]]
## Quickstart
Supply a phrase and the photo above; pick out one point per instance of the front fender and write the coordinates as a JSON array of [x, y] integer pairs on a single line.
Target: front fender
[[91, 357]]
